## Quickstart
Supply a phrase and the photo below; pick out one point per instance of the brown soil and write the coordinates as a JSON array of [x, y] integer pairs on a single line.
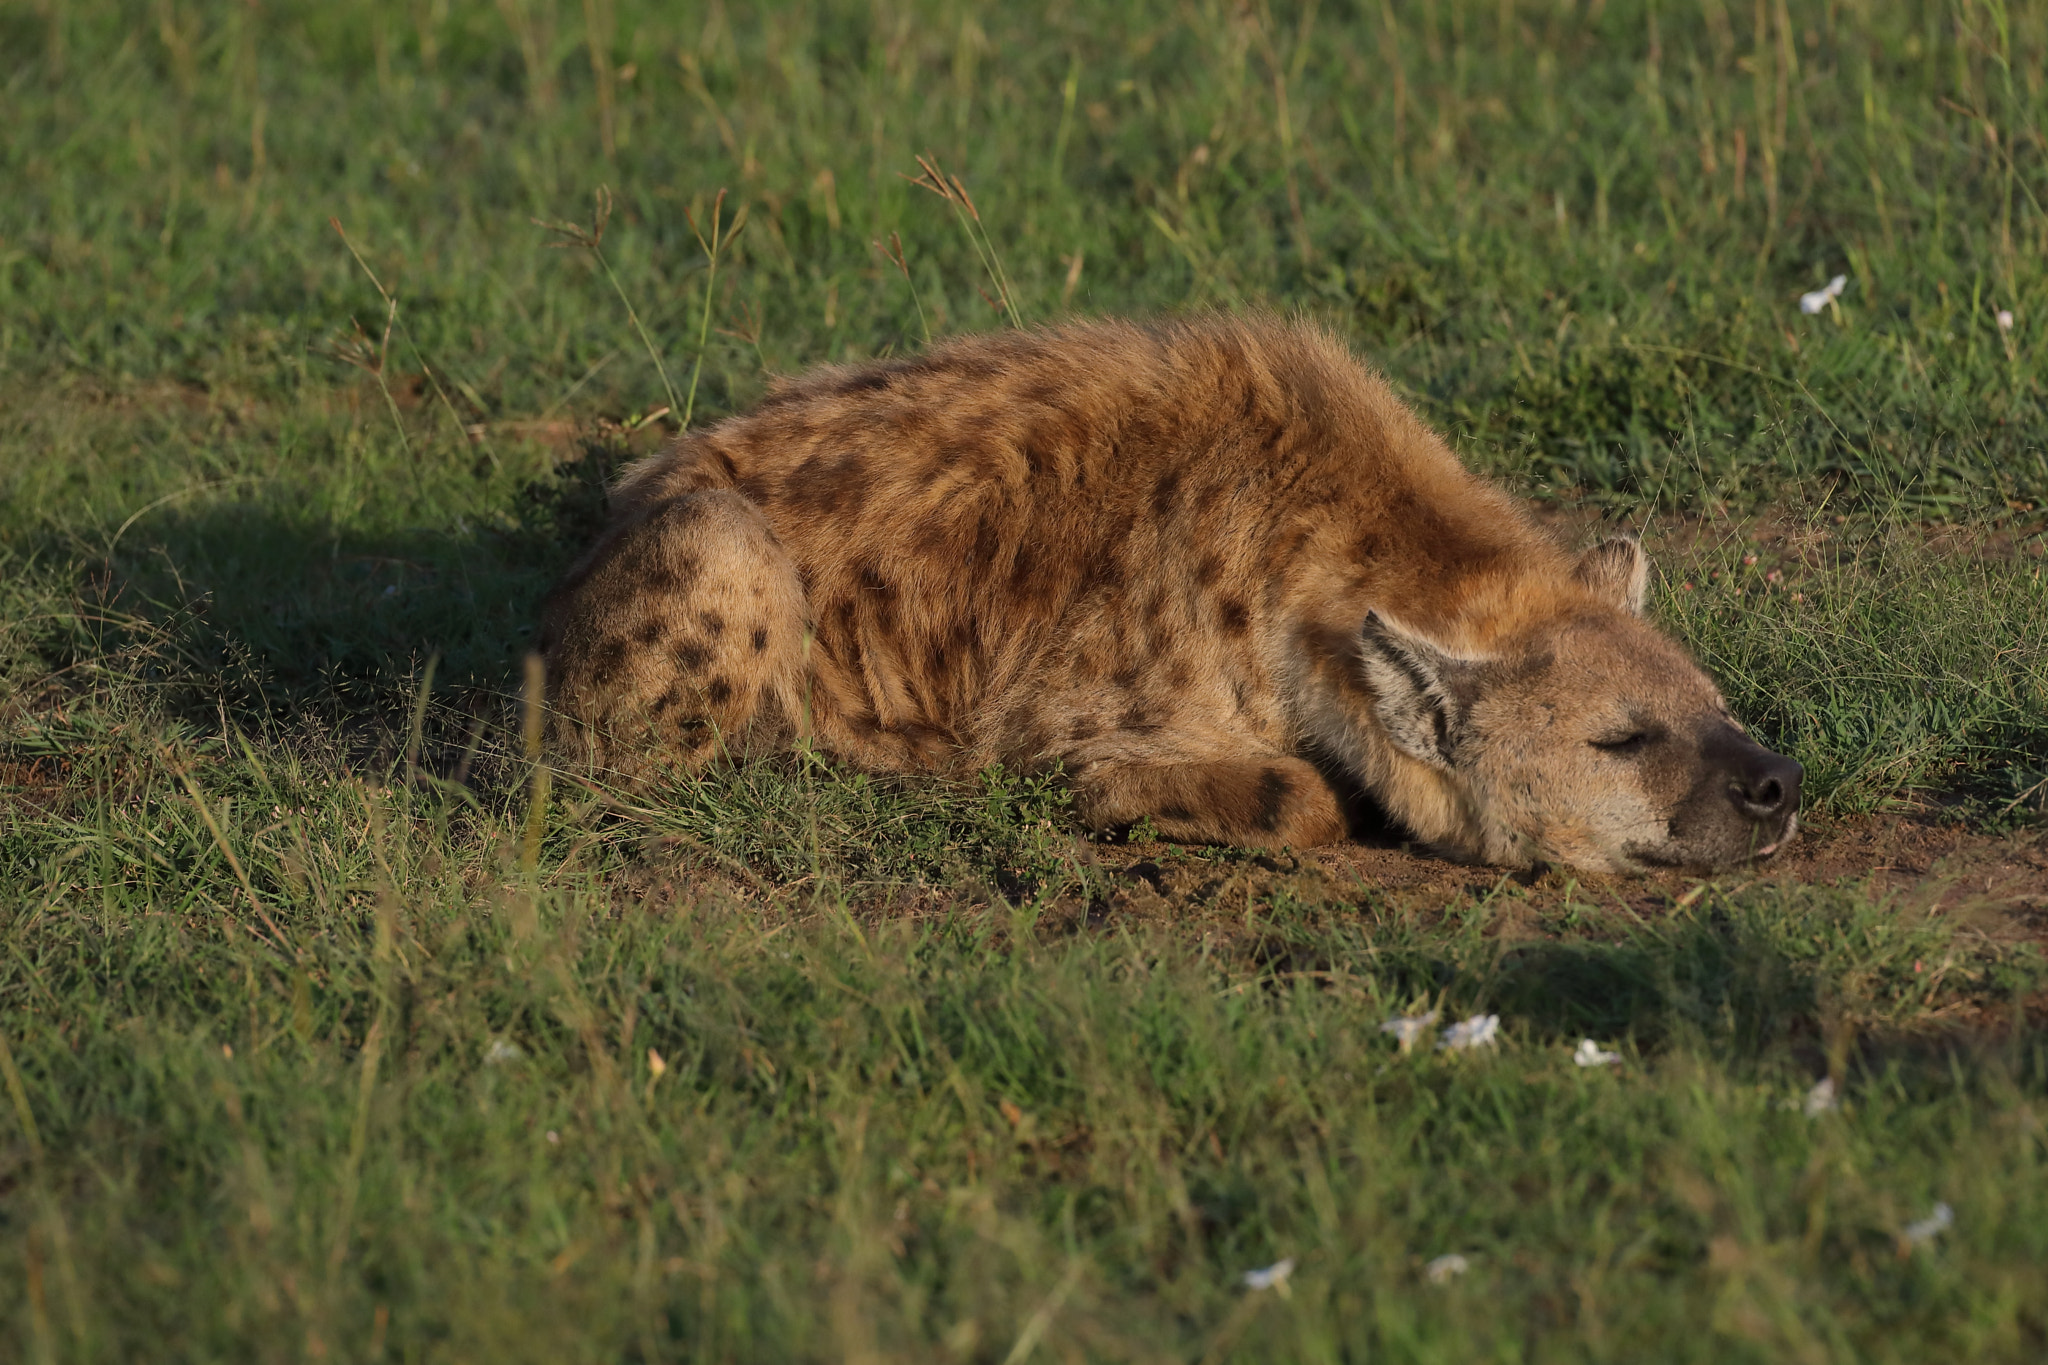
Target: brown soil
[[2000, 881]]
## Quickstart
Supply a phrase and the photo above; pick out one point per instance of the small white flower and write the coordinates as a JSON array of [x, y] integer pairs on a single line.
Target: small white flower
[[1591, 1053], [2005, 319], [1822, 297], [1478, 1031], [1446, 1268], [1821, 1099], [1409, 1027], [1941, 1220], [1271, 1277], [501, 1052], [554, 1138]]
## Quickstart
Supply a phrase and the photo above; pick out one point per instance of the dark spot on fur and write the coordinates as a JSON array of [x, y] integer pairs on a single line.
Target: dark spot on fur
[[760, 638], [1164, 492], [1274, 789], [1369, 546], [1179, 675], [677, 513], [692, 655], [606, 660], [649, 632], [1134, 717], [877, 598], [988, 539], [719, 691], [1175, 813], [1084, 728], [657, 579], [938, 664], [1236, 620], [1241, 695], [669, 700], [936, 534], [867, 381], [837, 486], [1208, 570], [753, 487], [1105, 570], [713, 623], [1022, 569]]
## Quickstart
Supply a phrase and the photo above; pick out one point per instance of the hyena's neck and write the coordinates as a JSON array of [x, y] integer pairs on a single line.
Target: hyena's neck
[[1331, 703], [1467, 576]]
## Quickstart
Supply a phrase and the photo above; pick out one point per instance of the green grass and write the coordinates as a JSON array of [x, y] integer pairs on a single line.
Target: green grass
[[929, 1085]]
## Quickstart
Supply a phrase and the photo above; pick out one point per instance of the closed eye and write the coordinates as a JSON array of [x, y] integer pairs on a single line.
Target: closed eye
[[1622, 744]]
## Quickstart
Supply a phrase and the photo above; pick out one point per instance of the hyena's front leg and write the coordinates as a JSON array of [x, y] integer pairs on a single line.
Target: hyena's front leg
[[1255, 802], [679, 637]]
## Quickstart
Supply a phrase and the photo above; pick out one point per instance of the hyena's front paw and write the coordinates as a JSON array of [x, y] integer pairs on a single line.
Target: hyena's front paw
[[1252, 802]]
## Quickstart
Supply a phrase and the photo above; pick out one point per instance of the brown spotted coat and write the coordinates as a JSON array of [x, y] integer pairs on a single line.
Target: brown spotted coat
[[1142, 552]]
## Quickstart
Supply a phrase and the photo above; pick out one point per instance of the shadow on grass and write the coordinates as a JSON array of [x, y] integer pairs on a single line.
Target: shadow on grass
[[259, 609]]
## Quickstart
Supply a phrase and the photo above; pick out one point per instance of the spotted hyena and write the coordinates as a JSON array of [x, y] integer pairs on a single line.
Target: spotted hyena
[[1207, 567]]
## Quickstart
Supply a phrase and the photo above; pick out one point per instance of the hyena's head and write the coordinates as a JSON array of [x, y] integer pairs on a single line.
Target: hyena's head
[[1591, 740]]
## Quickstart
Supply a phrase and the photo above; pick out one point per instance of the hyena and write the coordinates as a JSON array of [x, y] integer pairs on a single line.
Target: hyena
[[1208, 567]]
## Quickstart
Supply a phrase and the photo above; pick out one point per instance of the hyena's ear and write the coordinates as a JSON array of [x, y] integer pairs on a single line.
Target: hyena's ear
[[1420, 692], [1617, 570]]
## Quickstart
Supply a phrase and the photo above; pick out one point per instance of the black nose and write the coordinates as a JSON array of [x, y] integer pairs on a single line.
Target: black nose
[[1766, 785]]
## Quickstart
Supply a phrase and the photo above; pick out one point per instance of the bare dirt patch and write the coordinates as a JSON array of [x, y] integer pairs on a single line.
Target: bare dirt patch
[[1998, 880]]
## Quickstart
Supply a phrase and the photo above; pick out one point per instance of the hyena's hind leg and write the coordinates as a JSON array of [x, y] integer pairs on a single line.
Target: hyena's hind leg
[[679, 638]]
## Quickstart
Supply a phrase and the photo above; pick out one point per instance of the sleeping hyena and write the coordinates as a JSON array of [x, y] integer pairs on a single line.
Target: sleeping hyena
[[1200, 565]]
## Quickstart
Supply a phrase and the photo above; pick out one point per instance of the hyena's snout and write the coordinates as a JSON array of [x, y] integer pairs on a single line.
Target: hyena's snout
[[1761, 788]]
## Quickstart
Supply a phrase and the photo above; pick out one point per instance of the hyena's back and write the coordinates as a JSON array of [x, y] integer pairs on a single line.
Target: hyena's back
[[1084, 545]]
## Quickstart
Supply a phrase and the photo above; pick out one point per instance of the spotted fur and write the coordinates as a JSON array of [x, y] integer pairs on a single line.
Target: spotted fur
[[1199, 565]]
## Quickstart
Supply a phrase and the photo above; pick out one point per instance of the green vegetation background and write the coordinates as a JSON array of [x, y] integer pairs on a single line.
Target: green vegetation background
[[254, 475]]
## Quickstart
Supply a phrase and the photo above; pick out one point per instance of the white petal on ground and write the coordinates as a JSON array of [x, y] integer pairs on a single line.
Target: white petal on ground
[[1941, 1220], [1478, 1031], [1821, 1099], [1822, 297], [1271, 1276], [500, 1052], [2005, 319], [1446, 1268], [1591, 1053], [1409, 1027]]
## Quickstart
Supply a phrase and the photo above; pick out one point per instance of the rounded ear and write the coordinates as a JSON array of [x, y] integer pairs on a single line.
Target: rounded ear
[[1420, 692], [1618, 570]]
